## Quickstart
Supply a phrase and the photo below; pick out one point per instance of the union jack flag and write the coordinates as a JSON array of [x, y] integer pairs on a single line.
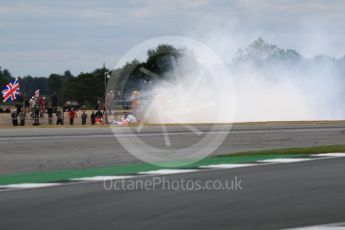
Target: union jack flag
[[11, 91]]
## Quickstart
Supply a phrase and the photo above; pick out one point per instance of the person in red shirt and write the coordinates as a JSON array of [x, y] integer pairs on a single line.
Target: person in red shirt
[[42, 103], [72, 114]]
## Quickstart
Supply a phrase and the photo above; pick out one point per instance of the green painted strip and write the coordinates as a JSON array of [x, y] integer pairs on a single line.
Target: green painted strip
[[297, 150], [64, 175]]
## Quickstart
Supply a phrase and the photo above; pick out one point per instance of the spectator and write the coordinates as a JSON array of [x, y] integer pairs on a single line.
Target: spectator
[[54, 101], [99, 114], [27, 103], [72, 114], [32, 102], [50, 115], [93, 118], [18, 106], [37, 114], [42, 103], [14, 117], [22, 116], [20, 98], [59, 117], [83, 118]]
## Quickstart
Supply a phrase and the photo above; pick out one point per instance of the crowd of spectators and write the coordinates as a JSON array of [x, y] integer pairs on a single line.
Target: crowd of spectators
[[37, 108]]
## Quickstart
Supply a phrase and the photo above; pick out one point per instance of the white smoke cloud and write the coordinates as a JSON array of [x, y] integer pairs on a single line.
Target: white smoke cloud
[[302, 90], [197, 90]]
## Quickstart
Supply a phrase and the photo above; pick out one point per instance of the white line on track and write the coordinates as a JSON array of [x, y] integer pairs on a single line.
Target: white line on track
[[29, 185], [285, 160], [337, 226], [101, 178], [329, 155], [226, 166], [167, 171]]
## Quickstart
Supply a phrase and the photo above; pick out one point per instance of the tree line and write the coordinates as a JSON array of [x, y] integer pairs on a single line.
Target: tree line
[[88, 87], [85, 88]]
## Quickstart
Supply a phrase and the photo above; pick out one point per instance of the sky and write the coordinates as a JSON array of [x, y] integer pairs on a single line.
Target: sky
[[40, 37]]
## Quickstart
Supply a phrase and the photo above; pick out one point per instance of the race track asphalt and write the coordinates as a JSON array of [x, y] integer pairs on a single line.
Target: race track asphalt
[[272, 197], [34, 149]]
